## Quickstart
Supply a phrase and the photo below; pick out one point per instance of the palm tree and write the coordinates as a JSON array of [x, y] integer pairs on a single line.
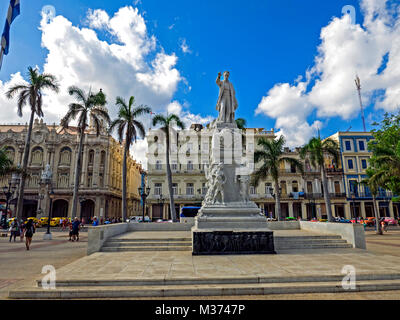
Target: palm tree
[[5, 162], [271, 157], [241, 123], [89, 105], [373, 183], [126, 122], [167, 122], [32, 93], [316, 149]]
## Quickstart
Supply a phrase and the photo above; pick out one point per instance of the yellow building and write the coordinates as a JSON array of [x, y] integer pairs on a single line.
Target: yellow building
[[100, 190]]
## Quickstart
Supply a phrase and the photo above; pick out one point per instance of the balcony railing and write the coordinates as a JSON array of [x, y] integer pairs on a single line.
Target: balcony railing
[[368, 195]]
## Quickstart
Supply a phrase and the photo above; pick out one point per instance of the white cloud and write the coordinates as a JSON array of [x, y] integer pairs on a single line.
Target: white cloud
[[184, 46], [329, 88], [186, 116], [128, 63], [138, 152]]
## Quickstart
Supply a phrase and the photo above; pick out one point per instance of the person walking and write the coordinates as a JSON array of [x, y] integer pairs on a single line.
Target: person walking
[[95, 222], [13, 229], [29, 231], [21, 230], [75, 229]]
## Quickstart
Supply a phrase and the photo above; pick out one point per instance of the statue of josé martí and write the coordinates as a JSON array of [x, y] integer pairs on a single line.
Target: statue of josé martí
[[226, 103]]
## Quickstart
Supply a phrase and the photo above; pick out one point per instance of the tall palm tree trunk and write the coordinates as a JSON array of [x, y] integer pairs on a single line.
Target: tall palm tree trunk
[[78, 170], [377, 224], [124, 207], [20, 202], [169, 177], [326, 194], [278, 210]]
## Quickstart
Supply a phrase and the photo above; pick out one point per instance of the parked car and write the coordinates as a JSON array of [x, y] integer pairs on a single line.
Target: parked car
[[391, 221], [34, 220]]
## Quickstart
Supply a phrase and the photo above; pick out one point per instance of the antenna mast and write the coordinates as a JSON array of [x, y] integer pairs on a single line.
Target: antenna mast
[[358, 85]]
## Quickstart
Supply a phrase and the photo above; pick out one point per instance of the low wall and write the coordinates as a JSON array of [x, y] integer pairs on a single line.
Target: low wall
[[99, 234], [352, 233], [283, 225]]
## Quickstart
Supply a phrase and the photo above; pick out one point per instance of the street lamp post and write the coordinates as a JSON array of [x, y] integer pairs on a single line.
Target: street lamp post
[[8, 192], [354, 207], [81, 201], [144, 193], [46, 180]]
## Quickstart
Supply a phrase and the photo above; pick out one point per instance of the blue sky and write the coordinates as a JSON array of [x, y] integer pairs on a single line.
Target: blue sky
[[264, 44]]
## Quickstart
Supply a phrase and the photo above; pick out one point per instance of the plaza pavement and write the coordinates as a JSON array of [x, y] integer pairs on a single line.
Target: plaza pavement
[[20, 268]]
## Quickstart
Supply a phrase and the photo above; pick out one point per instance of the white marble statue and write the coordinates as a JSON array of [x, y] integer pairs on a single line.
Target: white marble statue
[[227, 103]]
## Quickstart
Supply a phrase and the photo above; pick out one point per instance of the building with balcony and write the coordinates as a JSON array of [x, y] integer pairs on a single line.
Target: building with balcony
[[301, 194], [100, 190], [355, 157]]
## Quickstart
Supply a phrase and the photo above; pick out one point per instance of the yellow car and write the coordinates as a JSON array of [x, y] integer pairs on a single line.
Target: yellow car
[[55, 222], [34, 219], [43, 221]]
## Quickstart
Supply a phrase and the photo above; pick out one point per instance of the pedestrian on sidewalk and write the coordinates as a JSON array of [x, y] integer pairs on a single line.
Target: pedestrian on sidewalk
[[29, 231], [75, 229], [13, 229], [95, 222], [21, 230]]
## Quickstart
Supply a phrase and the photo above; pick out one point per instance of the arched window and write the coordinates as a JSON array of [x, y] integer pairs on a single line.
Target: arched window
[[37, 156], [91, 158], [295, 186], [65, 156]]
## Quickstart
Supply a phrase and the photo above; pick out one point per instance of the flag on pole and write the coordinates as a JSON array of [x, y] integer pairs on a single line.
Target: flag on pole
[[13, 12]]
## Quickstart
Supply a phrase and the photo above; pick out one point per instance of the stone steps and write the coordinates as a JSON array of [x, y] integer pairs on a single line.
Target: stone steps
[[149, 240], [310, 242], [108, 292], [144, 248], [216, 280], [148, 244]]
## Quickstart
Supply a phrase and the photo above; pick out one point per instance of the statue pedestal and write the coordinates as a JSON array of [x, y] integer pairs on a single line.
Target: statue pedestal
[[234, 228]]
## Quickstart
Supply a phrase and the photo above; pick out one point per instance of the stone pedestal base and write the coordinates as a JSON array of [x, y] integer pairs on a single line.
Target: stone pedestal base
[[215, 242]]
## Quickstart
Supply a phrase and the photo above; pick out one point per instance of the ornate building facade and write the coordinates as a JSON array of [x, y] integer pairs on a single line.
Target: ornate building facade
[[100, 190]]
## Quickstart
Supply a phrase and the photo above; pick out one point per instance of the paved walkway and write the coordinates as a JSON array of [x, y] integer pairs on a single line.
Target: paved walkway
[[19, 267]]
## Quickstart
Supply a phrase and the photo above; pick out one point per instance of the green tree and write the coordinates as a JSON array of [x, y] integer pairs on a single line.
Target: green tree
[[271, 156], [5, 162], [385, 148], [316, 150], [373, 182], [31, 93], [241, 123], [88, 106], [128, 128], [167, 123]]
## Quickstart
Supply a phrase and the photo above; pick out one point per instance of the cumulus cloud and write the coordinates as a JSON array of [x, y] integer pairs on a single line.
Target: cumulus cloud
[[186, 116], [346, 50], [128, 63]]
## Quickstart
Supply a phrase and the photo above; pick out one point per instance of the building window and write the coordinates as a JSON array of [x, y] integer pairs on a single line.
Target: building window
[[350, 164], [90, 179], [190, 189], [158, 165], [174, 165], [309, 187], [190, 165], [337, 187], [204, 189], [252, 190], [158, 189], [364, 164], [37, 156], [268, 188], [353, 187], [175, 188], [101, 180], [65, 156], [361, 145], [348, 145], [91, 157], [295, 186]]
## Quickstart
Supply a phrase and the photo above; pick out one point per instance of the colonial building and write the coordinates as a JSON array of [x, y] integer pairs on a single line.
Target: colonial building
[[355, 157], [100, 190], [301, 194]]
